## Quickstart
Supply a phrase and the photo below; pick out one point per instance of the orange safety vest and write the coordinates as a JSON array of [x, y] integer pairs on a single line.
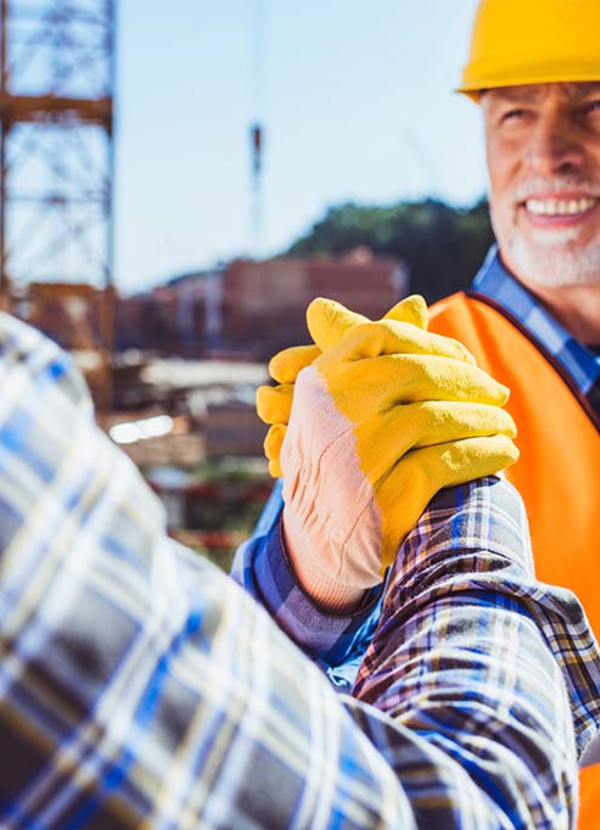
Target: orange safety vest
[[558, 473]]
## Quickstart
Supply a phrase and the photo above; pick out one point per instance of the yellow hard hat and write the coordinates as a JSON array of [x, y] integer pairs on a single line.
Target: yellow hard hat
[[519, 42]]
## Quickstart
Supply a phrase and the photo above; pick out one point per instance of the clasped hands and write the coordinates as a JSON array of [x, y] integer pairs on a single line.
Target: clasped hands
[[366, 426]]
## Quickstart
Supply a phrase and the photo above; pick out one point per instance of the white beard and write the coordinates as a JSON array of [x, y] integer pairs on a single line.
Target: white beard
[[554, 259]]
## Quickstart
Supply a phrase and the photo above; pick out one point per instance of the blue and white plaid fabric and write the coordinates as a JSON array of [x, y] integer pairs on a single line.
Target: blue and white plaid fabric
[[336, 642], [140, 687], [495, 282]]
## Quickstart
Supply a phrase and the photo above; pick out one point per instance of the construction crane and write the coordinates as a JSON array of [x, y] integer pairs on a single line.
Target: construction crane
[[257, 131], [57, 152]]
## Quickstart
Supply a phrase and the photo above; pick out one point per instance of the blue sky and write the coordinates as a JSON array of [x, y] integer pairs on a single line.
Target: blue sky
[[357, 103]]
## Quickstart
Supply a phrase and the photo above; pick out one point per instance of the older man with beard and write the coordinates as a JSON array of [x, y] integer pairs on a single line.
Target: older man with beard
[[531, 318]]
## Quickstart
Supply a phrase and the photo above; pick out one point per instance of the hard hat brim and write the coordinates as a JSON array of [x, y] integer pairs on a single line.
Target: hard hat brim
[[473, 90]]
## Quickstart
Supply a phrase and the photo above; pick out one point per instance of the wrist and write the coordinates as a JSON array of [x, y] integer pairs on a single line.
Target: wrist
[[327, 591]]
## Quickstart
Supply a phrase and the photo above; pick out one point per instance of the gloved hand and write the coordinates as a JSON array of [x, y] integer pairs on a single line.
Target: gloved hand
[[274, 403], [386, 416]]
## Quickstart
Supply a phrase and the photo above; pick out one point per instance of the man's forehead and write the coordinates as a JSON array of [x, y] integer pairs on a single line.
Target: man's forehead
[[534, 92]]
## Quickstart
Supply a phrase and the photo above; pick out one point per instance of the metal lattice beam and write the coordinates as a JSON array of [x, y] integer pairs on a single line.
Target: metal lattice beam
[[57, 159], [57, 80]]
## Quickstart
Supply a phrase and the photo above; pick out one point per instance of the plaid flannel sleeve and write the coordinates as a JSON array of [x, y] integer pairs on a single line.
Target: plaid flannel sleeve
[[141, 687], [337, 642]]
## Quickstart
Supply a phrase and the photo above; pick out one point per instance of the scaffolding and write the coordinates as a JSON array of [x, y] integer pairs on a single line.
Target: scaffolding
[[57, 87]]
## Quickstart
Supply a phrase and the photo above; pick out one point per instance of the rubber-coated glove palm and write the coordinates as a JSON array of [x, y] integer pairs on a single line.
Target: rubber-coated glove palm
[[383, 419]]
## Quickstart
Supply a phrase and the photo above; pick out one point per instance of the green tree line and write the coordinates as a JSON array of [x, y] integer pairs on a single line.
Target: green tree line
[[442, 245]]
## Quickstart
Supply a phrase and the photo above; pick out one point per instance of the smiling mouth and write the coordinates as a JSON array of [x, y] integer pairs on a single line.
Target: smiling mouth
[[560, 207]]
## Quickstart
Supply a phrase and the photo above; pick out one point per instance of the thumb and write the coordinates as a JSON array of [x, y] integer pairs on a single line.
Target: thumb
[[411, 310]]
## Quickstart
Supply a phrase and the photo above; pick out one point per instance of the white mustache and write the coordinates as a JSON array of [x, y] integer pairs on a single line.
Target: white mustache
[[533, 187]]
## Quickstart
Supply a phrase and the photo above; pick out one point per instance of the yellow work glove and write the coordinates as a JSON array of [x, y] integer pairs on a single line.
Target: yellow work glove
[[274, 403], [383, 419]]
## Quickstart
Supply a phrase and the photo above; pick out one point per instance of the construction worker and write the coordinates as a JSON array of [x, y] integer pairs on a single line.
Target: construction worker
[[531, 317]]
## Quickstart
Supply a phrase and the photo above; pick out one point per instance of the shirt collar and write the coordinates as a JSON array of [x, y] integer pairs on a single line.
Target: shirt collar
[[493, 280]]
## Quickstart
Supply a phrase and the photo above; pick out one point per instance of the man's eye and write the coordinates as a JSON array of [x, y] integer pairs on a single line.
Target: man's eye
[[593, 107], [513, 115]]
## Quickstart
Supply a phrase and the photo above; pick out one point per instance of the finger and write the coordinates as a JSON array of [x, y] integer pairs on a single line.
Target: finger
[[411, 310], [274, 403], [388, 337], [455, 421], [473, 458], [273, 441], [328, 321], [439, 378], [385, 438], [275, 469], [364, 388], [422, 473], [285, 366], [446, 465]]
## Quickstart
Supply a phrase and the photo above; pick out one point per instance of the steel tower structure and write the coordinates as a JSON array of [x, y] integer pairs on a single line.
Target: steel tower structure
[[57, 85]]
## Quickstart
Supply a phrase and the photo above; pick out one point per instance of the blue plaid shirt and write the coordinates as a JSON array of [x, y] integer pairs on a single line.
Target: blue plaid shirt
[[140, 687], [261, 566]]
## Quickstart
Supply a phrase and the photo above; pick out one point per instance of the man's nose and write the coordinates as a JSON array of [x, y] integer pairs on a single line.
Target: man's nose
[[553, 148]]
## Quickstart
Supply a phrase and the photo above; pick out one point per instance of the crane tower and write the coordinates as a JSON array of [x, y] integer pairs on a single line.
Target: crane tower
[[57, 82]]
